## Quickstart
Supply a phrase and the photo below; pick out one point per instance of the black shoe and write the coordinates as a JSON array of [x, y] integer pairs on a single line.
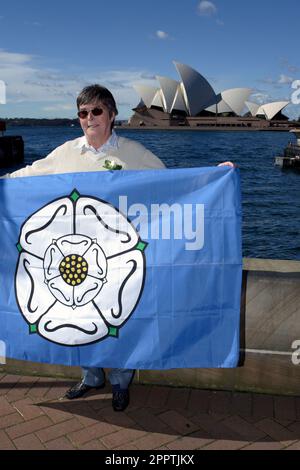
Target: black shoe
[[81, 389], [120, 400]]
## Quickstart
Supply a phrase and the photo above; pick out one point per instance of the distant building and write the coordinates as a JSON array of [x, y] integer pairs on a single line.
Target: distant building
[[192, 102]]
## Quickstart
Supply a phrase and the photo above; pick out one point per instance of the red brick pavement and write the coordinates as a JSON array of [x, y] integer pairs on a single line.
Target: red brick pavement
[[34, 415]]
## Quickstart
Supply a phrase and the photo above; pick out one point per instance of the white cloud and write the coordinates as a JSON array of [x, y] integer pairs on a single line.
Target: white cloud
[[261, 98], [32, 23], [59, 107], [8, 58], [206, 8], [284, 79], [162, 34], [290, 67], [35, 90]]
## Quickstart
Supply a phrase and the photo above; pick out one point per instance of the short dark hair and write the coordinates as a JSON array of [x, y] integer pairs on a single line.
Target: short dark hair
[[98, 93]]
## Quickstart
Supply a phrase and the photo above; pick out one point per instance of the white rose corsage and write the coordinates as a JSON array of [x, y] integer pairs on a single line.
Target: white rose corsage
[[112, 165]]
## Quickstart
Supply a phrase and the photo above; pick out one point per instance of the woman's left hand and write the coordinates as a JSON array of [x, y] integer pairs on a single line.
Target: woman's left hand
[[232, 165]]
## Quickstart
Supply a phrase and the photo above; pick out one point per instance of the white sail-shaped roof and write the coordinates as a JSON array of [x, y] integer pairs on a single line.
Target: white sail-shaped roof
[[168, 89], [235, 98], [271, 109], [253, 107], [147, 93], [219, 107], [199, 93], [179, 102], [223, 107], [157, 100]]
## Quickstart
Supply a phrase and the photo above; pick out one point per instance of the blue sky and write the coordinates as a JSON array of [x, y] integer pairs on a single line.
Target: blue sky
[[49, 51]]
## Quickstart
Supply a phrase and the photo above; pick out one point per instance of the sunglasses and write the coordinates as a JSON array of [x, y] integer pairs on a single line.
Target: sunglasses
[[83, 114]]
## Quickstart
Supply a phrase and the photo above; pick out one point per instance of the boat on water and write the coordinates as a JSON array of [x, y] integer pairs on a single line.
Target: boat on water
[[291, 155]]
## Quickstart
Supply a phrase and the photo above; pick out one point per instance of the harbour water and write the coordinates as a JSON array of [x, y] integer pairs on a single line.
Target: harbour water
[[271, 197]]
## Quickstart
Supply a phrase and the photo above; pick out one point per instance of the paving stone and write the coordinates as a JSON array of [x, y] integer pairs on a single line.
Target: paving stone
[[295, 429], [90, 433], [32, 416], [285, 408], [28, 427], [277, 432], [225, 445], [57, 390], [178, 422], [22, 388], [264, 444], [215, 428], [201, 420], [41, 387], [120, 420], [199, 401], [62, 443], [178, 398], [139, 395], [247, 431], [126, 447], [147, 420], [56, 412], [58, 430], [5, 442], [5, 407], [153, 441], [100, 402], [191, 442], [241, 404], [297, 404], [28, 442], [263, 406], [10, 420], [158, 396], [27, 409], [220, 402], [85, 413], [295, 446], [93, 445], [122, 437], [7, 383]]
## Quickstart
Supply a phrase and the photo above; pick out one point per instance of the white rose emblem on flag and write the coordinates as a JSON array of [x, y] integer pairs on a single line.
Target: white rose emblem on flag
[[80, 272]]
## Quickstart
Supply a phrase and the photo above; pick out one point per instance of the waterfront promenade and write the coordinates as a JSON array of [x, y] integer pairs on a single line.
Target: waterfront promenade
[[33, 415]]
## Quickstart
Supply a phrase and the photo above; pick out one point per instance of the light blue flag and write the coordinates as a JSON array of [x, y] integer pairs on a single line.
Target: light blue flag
[[129, 269]]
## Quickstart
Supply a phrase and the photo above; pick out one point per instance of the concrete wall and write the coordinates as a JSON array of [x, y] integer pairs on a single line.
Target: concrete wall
[[270, 322]]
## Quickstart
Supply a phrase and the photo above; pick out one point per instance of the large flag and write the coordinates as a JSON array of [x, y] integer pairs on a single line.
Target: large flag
[[131, 269]]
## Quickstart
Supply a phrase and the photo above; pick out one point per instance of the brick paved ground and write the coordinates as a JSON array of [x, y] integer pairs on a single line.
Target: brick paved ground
[[33, 415]]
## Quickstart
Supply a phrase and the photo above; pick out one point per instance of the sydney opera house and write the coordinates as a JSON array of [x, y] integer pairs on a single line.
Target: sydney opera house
[[192, 102]]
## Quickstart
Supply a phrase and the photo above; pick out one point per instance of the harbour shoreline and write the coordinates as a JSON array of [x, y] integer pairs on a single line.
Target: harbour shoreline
[[198, 129]]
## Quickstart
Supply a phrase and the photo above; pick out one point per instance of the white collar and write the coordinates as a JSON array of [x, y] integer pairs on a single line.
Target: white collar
[[112, 142]]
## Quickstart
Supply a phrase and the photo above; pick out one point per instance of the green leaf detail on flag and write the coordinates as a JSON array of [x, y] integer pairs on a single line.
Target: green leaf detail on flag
[[32, 329], [141, 246], [19, 247], [113, 332], [75, 195]]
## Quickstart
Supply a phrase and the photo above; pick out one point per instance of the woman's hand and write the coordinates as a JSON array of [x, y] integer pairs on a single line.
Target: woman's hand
[[232, 165]]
